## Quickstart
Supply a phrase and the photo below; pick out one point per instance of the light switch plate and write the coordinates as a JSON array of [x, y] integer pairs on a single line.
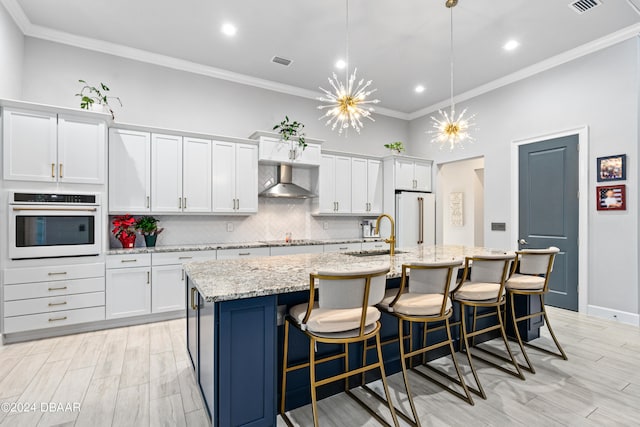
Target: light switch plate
[[229, 226]]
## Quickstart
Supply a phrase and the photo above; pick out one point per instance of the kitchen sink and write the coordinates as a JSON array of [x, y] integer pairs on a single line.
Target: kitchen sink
[[371, 253]]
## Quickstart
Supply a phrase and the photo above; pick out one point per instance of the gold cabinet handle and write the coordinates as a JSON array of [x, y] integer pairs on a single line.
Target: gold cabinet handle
[[55, 319], [53, 170], [53, 304], [60, 171], [61, 288], [193, 301], [57, 273], [179, 202], [244, 253], [128, 260], [184, 203]]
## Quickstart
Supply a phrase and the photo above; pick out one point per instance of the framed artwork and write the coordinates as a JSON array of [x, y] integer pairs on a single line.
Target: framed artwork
[[456, 208], [611, 198], [612, 168]]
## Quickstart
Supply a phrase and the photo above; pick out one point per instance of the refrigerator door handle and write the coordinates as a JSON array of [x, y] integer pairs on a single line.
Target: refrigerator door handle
[[420, 220]]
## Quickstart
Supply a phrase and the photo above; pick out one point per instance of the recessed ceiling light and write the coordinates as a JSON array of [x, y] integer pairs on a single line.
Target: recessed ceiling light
[[511, 45], [341, 64], [420, 89], [229, 29]]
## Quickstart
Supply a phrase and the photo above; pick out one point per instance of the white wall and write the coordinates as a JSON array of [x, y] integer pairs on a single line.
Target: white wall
[[600, 91], [11, 56], [457, 177], [163, 97]]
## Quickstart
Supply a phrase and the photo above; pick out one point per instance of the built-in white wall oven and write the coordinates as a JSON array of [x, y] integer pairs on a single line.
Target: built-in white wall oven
[[48, 225]]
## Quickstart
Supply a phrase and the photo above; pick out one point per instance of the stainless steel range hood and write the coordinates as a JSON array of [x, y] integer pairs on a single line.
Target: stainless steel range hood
[[285, 188]]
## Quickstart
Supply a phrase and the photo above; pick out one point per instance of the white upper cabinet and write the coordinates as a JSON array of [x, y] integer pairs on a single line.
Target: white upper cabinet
[[166, 173], [196, 175], [334, 184], [129, 171], [366, 193], [412, 174], [273, 150], [235, 177], [49, 147]]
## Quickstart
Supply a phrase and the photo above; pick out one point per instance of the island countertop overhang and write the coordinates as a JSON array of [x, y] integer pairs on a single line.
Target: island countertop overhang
[[225, 280]]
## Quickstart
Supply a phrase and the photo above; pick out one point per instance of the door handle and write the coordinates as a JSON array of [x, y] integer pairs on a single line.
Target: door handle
[[53, 170], [60, 171], [179, 202], [184, 203], [148, 277], [147, 201], [523, 242]]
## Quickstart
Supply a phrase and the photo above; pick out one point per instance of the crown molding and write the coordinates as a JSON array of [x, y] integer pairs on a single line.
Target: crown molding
[[562, 58], [18, 15]]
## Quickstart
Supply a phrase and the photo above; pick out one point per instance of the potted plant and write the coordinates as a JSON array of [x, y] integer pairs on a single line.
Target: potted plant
[[397, 147], [91, 95], [290, 131], [124, 230], [148, 227]]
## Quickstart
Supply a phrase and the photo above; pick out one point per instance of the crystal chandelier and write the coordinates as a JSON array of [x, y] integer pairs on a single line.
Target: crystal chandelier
[[347, 104], [448, 128]]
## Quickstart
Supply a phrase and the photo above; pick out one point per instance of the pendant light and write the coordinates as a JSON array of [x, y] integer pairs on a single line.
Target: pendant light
[[449, 129], [347, 104]]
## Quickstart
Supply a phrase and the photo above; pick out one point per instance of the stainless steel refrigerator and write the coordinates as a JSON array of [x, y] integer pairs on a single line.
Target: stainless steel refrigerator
[[415, 219]]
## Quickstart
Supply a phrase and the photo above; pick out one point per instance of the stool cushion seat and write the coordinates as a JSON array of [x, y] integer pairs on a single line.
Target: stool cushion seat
[[414, 304], [332, 320], [477, 291], [525, 282]]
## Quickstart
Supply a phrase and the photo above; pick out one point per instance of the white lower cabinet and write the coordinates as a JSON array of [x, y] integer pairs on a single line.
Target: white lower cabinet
[[374, 246], [298, 249], [140, 284], [243, 253], [52, 296]]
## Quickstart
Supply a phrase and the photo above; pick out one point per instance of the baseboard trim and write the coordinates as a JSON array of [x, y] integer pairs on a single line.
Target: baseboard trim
[[90, 327], [616, 315]]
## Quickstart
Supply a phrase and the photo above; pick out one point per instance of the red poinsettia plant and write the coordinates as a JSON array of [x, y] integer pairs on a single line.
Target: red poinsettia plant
[[123, 226]]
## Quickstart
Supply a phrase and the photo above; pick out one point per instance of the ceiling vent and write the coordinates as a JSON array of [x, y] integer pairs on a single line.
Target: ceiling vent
[[282, 61], [581, 6]]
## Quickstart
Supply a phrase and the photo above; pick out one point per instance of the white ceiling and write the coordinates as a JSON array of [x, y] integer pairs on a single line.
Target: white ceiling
[[398, 44]]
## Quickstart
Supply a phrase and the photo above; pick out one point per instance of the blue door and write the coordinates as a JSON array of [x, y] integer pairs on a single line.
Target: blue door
[[548, 189]]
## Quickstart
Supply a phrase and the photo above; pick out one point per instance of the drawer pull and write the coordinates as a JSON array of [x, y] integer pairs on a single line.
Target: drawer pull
[[185, 257], [53, 304], [56, 319], [129, 260], [57, 273], [148, 277], [343, 249], [193, 299], [244, 253], [61, 288]]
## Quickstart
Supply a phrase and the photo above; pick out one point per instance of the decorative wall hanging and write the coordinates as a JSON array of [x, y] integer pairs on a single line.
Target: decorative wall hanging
[[612, 168], [611, 198], [456, 209]]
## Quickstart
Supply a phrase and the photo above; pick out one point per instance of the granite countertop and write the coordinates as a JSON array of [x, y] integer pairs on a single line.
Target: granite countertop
[[223, 280], [240, 245]]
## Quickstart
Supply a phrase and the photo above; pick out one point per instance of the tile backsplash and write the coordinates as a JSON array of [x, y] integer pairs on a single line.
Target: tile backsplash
[[275, 217]]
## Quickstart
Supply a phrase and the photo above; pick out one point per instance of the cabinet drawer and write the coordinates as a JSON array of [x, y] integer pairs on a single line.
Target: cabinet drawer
[[171, 258], [302, 249], [129, 261], [50, 320], [374, 246], [50, 289], [242, 253], [53, 304], [51, 273], [342, 247]]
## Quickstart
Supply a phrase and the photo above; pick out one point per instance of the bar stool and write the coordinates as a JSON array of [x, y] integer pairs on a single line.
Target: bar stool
[[424, 299], [483, 285], [344, 314], [535, 266]]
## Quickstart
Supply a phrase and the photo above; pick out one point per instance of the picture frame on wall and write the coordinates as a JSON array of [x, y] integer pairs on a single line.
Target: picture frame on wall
[[611, 197], [612, 168]]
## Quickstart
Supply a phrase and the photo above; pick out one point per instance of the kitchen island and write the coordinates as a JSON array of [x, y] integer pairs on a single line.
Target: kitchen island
[[235, 307]]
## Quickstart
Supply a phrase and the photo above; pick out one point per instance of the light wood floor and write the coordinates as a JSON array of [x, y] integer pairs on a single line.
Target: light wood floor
[[141, 376]]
